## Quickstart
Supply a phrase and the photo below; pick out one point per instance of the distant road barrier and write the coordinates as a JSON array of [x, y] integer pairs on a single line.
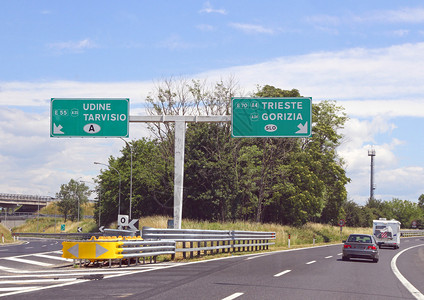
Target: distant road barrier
[[412, 232], [75, 236], [196, 240]]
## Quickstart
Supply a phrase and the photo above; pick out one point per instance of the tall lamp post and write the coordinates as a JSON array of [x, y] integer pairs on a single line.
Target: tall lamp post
[[76, 192], [119, 195], [131, 176], [371, 153]]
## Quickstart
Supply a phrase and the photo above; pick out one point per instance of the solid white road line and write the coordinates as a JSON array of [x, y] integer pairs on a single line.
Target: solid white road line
[[52, 257], [311, 262], [412, 289], [27, 261], [233, 296], [14, 289], [259, 255], [8, 269], [20, 281], [282, 273]]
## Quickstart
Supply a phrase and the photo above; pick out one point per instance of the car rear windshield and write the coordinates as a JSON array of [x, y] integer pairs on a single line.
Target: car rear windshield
[[359, 239]]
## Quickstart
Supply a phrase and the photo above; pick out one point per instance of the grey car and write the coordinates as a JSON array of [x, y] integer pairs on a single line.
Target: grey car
[[360, 246]]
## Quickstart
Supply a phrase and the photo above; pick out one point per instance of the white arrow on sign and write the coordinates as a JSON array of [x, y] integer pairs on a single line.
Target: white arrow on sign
[[302, 128], [102, 229], [74, 250], [100, 250], [57, 129], [132, 225], [79, 229]]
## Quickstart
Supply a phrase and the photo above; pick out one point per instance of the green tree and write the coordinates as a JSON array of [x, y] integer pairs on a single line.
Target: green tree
[[421, 202], [404, 211], [354, 215], [328, 119], [152, 189], [72, 195], [327, 193]]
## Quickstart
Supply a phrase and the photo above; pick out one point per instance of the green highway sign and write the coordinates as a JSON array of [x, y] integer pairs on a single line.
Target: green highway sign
[[271, 117], [89, 117]]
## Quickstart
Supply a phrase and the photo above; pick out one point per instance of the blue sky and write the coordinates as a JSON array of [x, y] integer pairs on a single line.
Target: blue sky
[[366, 55]]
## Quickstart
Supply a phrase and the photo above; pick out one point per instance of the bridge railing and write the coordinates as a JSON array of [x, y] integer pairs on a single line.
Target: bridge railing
[[4, 196]]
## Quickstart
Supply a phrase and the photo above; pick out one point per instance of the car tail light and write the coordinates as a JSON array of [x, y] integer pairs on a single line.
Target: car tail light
[[372, 247], [347, 246]]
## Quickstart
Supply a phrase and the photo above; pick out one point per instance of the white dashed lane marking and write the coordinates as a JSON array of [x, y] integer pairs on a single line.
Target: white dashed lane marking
[[282, 273]]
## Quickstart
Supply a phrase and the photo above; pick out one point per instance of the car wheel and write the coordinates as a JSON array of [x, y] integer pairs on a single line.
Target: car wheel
[[375, 260], [345, 258]]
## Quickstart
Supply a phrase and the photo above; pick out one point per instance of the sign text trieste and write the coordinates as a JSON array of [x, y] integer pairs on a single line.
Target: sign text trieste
[[89, 117], [271, 117]]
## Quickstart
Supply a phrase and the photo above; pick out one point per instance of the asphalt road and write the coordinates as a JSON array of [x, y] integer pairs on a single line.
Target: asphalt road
[[312, 273], [31, 245]]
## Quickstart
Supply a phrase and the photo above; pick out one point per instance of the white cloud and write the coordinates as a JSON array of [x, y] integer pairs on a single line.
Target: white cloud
[[174, 42], [207, 8], [72, 46], [251, 28], [404, 15], [40, 93], [324, 20], [409, 15], [205, 27], [401, 32], [386, 74], [34, 163]]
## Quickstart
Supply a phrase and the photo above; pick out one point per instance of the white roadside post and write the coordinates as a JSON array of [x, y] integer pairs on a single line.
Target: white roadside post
[[179, 172]]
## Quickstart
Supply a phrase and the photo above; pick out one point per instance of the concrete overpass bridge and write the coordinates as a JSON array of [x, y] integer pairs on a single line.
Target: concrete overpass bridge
[[11, 203]]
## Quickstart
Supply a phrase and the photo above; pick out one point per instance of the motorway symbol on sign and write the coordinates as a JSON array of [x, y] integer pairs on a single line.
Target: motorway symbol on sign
[[62, 227], [89, 117], [123, 220], [271, 117]]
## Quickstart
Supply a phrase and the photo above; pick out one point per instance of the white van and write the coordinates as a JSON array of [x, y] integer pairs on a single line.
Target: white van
[[386, 233]]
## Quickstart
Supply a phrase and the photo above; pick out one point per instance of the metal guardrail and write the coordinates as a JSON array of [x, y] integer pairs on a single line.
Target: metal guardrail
[[211, 240], [76, 236], [412, 232]]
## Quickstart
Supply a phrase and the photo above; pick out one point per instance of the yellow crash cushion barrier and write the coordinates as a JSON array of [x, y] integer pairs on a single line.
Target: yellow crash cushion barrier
[[93, 250]]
